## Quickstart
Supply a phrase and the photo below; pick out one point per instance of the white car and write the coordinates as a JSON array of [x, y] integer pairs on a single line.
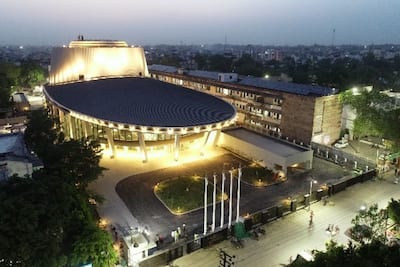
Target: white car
[[342, 143]]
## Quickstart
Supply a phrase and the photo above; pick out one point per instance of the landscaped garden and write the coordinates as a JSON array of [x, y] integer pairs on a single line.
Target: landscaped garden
[[186, 193], [260, 176]]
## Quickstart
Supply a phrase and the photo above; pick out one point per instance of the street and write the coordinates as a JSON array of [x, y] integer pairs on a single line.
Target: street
[[290, 235]]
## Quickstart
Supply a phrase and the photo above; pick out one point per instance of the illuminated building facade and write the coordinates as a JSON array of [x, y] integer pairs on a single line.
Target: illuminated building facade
[[295, 112], [102, 89]]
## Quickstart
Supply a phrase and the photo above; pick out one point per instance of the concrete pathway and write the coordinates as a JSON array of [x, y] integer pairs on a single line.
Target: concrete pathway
[[114, 210]]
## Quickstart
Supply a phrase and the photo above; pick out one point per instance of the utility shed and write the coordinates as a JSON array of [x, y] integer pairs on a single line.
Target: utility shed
[[272, 153]]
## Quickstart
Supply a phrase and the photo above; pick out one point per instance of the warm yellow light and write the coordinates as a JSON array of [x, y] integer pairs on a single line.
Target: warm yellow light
[[103, 222]]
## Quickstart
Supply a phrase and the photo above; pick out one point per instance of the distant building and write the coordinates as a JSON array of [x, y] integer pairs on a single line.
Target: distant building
[[15, 158]]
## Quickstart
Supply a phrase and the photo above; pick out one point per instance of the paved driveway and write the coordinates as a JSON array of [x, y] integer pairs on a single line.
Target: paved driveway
[[137, 192]]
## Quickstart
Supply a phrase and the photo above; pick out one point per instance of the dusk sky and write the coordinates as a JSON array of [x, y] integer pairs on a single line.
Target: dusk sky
[[268, 22]]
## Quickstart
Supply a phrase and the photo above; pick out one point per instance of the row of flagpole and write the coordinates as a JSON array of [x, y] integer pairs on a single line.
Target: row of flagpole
[[222, 200]]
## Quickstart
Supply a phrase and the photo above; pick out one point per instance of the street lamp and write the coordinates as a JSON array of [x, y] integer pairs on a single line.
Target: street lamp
[[312, 181]]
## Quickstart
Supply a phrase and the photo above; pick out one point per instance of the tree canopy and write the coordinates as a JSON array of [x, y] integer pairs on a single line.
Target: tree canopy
[[76, 161], [47, 219], [376, 115], [13, 77]]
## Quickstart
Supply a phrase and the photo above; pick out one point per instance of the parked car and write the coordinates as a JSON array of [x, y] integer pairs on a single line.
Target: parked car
[[342, 143]]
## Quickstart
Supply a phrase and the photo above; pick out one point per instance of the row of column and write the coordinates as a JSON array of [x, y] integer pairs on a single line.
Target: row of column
[[213, 224], [70, 126]]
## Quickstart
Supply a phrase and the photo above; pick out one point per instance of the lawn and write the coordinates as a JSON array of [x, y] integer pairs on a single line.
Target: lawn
[[259, 176], [184, 194]]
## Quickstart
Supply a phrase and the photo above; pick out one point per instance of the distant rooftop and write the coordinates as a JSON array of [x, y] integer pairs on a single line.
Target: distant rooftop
[[293, 88], [96, 43], [12, 144]]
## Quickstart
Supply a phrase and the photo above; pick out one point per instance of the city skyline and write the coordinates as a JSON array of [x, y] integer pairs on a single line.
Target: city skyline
[[287, 22]]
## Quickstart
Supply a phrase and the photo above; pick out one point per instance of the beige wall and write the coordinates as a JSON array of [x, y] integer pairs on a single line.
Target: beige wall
[[297, 118], [327, 119]]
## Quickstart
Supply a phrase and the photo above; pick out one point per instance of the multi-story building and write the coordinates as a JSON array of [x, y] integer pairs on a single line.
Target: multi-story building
[[296, 112]]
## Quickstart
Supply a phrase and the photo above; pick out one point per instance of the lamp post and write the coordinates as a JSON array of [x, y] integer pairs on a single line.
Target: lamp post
[[312, 181]]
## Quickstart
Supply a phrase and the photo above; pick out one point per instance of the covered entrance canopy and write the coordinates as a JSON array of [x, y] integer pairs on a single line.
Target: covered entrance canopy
[[273, 153]]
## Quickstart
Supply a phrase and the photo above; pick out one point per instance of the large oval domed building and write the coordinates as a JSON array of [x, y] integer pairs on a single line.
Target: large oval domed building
[[102, 89]]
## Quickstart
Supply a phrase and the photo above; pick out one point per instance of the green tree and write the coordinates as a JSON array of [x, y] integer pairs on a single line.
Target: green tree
[[9, 75], [94, 246], [76, 161], [246, 65], [375, 115], [31, 226], [394, 210], [371, 255], [32, 74], [370, 224], [42, 134]]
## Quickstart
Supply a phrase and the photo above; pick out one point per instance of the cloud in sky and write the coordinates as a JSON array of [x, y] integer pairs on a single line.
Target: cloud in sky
[[282, 22]]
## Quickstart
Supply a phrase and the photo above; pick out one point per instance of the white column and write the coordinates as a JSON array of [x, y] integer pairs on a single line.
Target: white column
[[142, 146], [110, 141], [238, 195], [217, 135], [205, 143], [214, 202], [86, 128], [205, 205], [63, 123], [230, 200], [222, 199], [71, 131], [176, 146]]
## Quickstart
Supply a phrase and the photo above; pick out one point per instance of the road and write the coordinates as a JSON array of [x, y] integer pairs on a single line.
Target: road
[[290, 235]]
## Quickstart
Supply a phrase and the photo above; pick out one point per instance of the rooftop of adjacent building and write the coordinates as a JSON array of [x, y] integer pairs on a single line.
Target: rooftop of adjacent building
[[278, 147], [263, 83], [12, 147], [12, 143]]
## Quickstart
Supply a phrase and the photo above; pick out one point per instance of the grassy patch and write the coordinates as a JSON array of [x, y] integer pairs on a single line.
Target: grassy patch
[[183, 194], [259, 176]]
